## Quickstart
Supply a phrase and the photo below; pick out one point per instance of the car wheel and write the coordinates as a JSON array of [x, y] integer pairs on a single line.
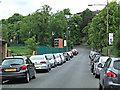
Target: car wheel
[[27, 78], [34, 74], [93, 72], [100, 87]]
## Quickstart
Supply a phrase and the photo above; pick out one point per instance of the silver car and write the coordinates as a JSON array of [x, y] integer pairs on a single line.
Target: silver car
[[51, 59], [41, 62], [58, 59], [62, 57], [70, 54], [97, 68], [110, 74]]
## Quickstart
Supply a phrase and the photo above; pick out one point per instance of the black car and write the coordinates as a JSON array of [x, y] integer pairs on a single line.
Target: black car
[[17, 67]]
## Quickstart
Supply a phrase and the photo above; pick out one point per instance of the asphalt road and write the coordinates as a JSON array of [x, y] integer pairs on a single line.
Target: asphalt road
[[73, 74]]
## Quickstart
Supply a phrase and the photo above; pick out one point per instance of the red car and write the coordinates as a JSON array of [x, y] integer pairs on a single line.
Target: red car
[[75, 51]]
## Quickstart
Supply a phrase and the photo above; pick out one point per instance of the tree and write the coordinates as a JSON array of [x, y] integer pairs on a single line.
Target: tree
[[87, 16], [58, 25], [31, 43], [98, 31], [75, 31], [67, 11]]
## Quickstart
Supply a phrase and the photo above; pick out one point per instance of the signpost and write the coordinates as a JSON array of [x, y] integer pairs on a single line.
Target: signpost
[[110, 38]]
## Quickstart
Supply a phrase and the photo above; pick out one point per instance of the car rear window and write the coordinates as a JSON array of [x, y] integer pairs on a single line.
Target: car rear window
[[12, 62], [116, 64], [37, 58]]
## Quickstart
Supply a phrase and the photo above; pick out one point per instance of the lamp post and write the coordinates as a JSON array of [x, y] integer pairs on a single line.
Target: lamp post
[[107, 22], [67, 17]]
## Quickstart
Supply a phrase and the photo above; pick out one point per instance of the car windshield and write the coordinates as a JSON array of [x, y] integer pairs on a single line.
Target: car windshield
[[12, 62], [49, 56], [57, 56], [37, 58], [116, 64]]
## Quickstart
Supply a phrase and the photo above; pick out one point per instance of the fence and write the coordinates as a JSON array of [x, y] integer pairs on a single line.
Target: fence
[[14, 45], [44, 50]]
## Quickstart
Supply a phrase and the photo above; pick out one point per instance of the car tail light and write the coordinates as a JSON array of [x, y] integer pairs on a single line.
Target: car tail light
[[111, 86], [23, 68], [111, 74], [0, 70], [43, 62]]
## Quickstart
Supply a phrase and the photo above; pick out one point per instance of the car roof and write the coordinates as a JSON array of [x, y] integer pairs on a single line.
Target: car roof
[[115, 58], [38, 56], [23, 57]]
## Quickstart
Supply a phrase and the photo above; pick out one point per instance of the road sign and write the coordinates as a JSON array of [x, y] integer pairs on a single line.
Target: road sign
[[110, 38], [64, 42]]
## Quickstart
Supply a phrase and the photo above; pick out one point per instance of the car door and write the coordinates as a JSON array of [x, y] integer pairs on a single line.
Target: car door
[[104, 71], [30, 67]]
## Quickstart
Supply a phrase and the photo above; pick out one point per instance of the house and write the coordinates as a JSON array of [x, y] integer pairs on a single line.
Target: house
[[3, 49]]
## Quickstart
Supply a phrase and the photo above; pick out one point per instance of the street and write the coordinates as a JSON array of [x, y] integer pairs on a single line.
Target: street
[[72, 74]]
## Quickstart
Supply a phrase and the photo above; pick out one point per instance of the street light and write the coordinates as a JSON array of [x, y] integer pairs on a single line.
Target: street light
[[107, 20]]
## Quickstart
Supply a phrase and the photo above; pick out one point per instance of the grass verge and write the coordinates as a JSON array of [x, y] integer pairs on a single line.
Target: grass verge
[[20, 50], [111, 49]]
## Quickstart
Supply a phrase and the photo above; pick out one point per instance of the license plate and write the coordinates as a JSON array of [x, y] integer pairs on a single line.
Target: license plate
[[10, 70], [37, 67]]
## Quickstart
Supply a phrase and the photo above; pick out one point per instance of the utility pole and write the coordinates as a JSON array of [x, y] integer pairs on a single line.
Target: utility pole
[[67, 38], [107, 28]]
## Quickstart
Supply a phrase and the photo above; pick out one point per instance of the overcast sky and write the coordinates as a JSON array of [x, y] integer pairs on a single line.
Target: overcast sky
[[25, 7]]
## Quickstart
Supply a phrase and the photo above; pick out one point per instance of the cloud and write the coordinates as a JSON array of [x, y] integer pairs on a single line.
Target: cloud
[[25, 7]]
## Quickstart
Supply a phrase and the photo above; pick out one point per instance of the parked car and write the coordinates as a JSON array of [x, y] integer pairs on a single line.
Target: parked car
[[97, 66], [41, 62], [62, 57], [75, 51], [66, 55], [51, 59], [55, 59], [110, 74], [93, 61], [70, 54], [58, 59], [17, 67], [91, 54]]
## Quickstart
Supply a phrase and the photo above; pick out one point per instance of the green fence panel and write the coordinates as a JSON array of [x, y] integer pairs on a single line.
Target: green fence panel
[[14, 45], [45, 50]]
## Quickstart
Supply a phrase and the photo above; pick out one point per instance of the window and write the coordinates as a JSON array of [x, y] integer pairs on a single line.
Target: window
[[108, 62], [116, 64], [37, 58], [12, 61]]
